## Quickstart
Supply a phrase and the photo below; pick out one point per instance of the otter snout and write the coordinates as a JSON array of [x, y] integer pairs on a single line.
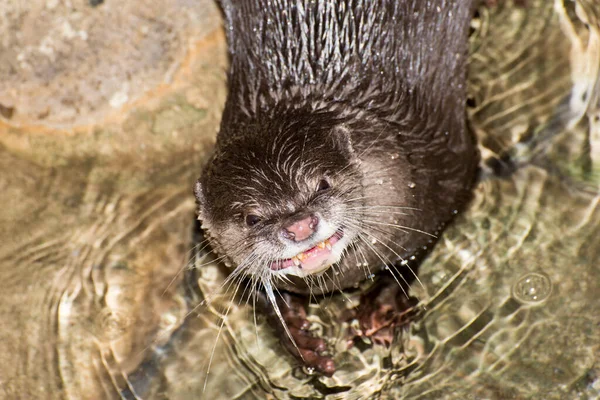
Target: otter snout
[[300, 229]]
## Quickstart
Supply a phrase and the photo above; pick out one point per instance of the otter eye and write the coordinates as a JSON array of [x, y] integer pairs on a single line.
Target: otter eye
[[323, 185], [252, 219]]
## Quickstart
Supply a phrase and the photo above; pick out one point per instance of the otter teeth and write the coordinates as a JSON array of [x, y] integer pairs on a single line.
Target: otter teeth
[[324, 244], [311, 261], [302, 256]]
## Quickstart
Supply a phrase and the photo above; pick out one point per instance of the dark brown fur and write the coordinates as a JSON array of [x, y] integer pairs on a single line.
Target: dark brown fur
[[370, 95]]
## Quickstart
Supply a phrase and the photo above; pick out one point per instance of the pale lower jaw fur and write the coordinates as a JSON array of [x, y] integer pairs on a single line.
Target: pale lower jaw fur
[[337, 250]]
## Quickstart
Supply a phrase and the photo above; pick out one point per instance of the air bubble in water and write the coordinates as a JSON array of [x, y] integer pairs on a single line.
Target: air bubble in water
[[533, 287]]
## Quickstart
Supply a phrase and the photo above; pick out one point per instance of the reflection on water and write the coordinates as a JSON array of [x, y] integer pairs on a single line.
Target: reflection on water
[[100, 298]]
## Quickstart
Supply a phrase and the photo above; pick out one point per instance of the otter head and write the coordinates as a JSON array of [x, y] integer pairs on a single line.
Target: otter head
[[276, 198]]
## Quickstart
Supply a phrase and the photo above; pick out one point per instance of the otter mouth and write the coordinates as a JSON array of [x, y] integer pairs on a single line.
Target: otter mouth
[[312, 261]]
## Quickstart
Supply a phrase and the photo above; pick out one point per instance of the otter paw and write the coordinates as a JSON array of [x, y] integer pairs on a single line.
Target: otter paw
[[381, 310], [310, 351], [306, 348]]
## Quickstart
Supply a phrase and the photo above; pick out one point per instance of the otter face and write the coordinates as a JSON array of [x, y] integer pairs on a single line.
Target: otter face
[[280, 206]]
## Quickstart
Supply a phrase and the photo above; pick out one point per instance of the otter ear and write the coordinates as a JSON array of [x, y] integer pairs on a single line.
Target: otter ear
[[342, 139], [200, 199], [198, 192]]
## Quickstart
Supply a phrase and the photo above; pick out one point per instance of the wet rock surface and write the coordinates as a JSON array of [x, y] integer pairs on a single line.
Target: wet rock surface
[[66, 63]]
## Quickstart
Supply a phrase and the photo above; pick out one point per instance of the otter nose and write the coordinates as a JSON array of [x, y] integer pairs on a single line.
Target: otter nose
[[301, 229]]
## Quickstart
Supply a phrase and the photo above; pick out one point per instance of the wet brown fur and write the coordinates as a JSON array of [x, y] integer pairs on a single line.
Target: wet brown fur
[[371, 95]]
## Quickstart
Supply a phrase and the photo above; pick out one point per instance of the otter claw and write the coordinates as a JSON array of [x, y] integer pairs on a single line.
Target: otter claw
[[304, 340], [322, 364]]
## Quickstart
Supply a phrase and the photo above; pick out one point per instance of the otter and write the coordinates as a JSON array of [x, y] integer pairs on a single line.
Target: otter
[[343, 147]]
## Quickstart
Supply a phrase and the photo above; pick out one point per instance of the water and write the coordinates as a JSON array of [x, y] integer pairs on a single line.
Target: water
[[99, 298]]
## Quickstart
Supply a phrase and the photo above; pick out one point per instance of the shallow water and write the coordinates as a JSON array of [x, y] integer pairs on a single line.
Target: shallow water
[[100, 300]]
